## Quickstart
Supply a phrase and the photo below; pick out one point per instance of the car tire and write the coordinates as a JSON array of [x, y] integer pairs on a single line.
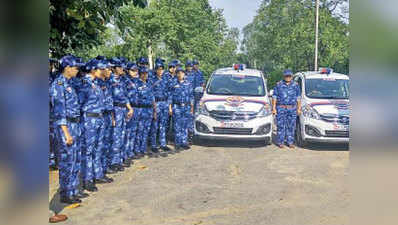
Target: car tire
[[299, 137]]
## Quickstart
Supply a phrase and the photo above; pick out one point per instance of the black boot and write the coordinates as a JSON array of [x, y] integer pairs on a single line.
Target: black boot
[[70, 200], [120, 167], [90, 186], [165, 148], [81, 194], [155, 150], [126, 163], [110, 171], [186, 147], [177, 148]]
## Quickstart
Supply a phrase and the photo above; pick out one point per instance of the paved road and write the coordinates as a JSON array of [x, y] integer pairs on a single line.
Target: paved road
[[224, 184]]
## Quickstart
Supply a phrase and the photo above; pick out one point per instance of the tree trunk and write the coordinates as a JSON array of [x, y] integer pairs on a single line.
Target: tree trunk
[[150, 54]]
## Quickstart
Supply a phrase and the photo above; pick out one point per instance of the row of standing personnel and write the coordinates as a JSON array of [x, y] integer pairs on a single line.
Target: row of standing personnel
[[105, 117]]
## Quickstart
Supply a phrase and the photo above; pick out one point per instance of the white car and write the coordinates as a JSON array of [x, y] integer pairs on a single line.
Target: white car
[[235, 106], [325, 107]]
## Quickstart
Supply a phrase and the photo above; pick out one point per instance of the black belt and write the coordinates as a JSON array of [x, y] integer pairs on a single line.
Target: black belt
[[73, 119], [182, 103], [119, 104], [107, 112], [160, 99], [94, 114], [142, 106], [287, 106]]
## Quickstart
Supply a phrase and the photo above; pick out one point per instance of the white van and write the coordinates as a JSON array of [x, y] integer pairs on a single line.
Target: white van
[[325, 107], [234, 105]]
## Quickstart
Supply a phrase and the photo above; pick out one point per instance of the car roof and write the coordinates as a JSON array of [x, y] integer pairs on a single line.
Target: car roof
[[247, 72], [316, 74]]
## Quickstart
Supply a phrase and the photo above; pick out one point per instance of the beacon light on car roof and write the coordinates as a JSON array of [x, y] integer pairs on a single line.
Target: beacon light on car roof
[[239, 67], [326, 70]]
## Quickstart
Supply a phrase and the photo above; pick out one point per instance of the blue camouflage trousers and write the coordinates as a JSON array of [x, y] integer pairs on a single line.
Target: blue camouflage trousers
[[68, 160], [53, 143], [107, 154], [286, 125], [181, 119], [119, 135], [144, 126], [131, 133], [93, 134], [158, 127]]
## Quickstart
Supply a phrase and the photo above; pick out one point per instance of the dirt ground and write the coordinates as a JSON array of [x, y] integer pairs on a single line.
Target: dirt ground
[[223, 184]]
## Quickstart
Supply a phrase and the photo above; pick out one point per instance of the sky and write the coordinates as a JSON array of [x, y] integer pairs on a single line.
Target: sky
[[238, 13]]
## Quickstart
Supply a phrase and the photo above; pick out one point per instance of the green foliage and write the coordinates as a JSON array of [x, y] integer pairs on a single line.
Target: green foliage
[[79, 24], [282, 35]]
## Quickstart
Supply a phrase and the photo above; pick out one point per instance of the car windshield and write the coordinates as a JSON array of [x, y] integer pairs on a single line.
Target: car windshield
[[225, 84], [327, 88]]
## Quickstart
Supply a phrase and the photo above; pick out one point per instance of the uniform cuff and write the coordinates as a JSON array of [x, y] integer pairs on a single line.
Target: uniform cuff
[[61, 122]]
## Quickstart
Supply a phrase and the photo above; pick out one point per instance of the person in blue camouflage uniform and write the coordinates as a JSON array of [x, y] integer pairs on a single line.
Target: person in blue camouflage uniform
[[92, 99], [190, 77], [109, 116], [181, 108], [132, 124], [52, 137], [160, 91], [66, 114], [171, 77], [199, 81], [286, 105], [123, 111], [143, 62], [145, 106]]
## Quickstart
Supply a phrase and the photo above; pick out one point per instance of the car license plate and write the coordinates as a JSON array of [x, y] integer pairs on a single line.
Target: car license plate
[[231, 125], [341, 127]]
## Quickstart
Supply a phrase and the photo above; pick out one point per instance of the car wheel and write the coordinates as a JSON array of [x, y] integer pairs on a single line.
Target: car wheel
[[299, 137]]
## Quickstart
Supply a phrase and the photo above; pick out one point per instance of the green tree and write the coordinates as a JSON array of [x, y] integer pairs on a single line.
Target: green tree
[[282, 36]]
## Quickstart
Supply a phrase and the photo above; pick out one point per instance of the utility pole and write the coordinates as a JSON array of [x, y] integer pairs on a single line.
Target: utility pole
[[149, 45], [316, 35]]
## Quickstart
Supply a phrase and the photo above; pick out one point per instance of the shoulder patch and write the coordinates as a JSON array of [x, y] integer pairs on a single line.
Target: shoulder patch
[[60, 82]]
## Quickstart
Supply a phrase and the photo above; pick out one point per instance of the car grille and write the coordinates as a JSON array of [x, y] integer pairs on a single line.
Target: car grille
[[337, 133], [237, 131], [222, 115], [335, 118]]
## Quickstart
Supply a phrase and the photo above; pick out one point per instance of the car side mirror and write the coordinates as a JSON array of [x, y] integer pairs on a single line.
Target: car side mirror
[[199, 90], [270, 93]]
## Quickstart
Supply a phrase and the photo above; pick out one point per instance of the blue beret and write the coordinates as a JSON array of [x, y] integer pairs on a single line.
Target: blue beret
[[176, 62], [287, 72], [143, 70], [131, 66], [115, 62], [195, 62], [157, 65], [143, 60], [171, 64], [159, 61], [95, 64], [123, 60], [100, 57], [189, 63], [70, 60], [179, 69]]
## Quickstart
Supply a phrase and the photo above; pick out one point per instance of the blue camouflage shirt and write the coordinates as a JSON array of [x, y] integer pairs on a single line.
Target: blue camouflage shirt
[[132, 90], [91, 96], [64, 100], [286, 94], [160, 87], [199, 79], [190, 76], [181, 92], [144, 93], [119, 91], [106, 88]]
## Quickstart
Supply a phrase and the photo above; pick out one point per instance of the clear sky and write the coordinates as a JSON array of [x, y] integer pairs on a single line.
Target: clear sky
[[238, 13]]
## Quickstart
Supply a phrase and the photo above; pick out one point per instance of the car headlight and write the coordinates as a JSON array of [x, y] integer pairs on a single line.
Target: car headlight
[[264, 111], [310, 112], [202, 110]]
